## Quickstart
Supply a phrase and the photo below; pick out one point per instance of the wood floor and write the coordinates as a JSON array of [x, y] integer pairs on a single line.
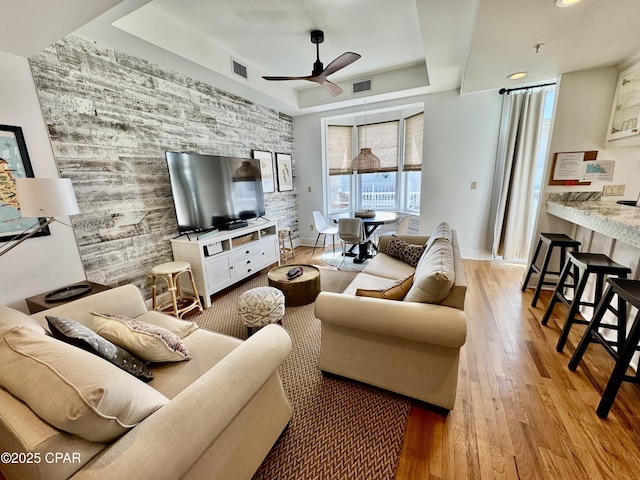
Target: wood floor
[[520, 412]]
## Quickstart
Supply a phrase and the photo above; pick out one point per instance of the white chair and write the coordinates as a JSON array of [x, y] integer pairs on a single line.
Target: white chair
[[409, 225], [349, 231], [323, 229]]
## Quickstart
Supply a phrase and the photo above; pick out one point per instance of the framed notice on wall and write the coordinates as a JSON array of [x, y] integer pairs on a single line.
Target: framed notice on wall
[[568, 167]]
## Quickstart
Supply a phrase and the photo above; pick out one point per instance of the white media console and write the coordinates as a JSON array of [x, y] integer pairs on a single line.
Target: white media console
[[223, 258]]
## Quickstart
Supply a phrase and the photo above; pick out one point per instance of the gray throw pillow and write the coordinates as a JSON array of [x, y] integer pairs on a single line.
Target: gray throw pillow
[[78, 335]]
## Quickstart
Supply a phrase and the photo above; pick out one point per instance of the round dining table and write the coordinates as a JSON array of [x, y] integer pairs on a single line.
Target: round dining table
[[370, 225]]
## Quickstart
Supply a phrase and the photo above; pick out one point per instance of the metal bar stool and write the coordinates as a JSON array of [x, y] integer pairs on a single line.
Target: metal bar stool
[[179, 304], [625, 345], [283, 233], [552, 241], [586, 264]]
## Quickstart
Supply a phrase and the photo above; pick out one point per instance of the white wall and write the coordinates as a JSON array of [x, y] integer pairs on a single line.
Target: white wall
[[583, 108], [460, 142], [39, 264]]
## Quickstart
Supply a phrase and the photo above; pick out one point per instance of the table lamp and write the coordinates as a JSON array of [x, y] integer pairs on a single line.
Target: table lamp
[[43, 197]]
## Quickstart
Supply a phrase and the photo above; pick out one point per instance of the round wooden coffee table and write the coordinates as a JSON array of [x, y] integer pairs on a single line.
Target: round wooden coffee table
[[301, 290]]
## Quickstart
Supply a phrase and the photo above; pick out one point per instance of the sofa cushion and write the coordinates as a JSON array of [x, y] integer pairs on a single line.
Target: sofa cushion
[[409, 253], [394, 291], [149, 342], [72, 389], [443, 230], [78, 335], [10, 318], [385, 266], [181, 328], [434, 275]]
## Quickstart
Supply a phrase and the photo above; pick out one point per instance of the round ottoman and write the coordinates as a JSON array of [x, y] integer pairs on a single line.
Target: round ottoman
[[260, 306]]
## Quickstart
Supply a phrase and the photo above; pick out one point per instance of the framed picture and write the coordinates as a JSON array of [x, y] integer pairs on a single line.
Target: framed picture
[[285, 172], [14, 163], [266, 170]]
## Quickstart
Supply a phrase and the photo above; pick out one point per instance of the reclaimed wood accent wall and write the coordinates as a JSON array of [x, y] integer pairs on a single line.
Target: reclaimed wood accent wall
[[111, 117]]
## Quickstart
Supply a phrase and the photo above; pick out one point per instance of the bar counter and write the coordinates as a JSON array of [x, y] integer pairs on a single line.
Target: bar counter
[[586, 209]]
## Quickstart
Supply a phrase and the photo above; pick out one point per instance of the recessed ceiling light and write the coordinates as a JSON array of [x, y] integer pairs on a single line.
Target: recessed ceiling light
[[517, 75], [566, 3]]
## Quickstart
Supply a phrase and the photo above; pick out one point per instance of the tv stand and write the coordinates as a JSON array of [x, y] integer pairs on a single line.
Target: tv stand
[[226, 257]]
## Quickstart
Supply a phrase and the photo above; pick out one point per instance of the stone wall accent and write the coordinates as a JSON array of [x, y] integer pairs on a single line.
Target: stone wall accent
[[111, 117]]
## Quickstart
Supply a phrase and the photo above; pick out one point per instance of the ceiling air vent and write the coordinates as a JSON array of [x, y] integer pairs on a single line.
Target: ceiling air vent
[[364, 86], [239, 69]]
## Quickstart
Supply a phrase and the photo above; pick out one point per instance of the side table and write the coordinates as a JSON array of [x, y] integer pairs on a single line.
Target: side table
[[38, 303], [301, 290]]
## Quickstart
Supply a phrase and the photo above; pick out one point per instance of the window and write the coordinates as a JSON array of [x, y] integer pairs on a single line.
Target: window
[[396, 185]]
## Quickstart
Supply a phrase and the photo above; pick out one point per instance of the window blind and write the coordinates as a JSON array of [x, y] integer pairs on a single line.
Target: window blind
[[413, 132], [382, 139], [339, 149]]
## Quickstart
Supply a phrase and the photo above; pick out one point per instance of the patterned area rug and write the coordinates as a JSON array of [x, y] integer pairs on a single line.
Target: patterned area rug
[[340, 429]]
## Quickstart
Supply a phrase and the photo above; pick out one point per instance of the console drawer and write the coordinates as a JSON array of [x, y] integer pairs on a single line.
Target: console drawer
[[248, 265], [245, 250]]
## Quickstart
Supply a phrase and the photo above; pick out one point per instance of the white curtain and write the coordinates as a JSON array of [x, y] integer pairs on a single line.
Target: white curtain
[[519, 140]]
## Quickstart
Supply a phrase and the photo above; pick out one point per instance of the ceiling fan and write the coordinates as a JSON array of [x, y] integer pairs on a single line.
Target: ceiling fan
[[319, 73]]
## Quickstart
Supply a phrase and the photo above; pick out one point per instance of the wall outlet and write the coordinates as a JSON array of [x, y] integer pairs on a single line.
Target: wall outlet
[[311, 227], [474, 185]]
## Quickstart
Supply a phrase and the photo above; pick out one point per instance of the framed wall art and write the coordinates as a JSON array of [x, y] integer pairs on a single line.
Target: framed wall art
[[285, 172], [266, 170], [14, 163]]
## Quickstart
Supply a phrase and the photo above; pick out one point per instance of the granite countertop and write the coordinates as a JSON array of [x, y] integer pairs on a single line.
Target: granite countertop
[[587, 209]]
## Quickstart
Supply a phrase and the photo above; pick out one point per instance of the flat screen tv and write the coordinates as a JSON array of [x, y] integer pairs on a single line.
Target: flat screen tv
[[212, 192]]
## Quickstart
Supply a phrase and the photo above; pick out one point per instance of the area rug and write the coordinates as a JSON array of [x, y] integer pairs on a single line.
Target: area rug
[[336, 260], [340, 429]]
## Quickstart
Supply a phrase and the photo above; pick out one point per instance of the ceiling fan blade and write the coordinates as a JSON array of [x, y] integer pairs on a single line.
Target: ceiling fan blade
[[332, 88], [342, 61]]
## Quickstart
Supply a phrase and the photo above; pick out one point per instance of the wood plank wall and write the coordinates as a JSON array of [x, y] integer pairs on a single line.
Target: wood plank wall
[[111, 117]]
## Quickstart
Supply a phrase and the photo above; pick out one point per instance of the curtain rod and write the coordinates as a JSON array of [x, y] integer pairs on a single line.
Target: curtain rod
[[502, 91]]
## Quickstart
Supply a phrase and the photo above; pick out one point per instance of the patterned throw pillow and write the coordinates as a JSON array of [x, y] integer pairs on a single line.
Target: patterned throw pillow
[[149, 342], [395, 291], [78, 335], [409, 253]]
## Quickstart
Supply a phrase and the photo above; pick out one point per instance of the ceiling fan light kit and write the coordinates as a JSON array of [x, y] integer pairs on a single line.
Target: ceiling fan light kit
[[319, 73], [566, 3]]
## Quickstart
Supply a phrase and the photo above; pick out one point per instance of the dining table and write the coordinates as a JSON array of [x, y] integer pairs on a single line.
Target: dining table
[[371, 221]]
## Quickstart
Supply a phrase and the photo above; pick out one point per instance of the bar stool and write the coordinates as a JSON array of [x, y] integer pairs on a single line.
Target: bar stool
[[628, 292], [170, 273], [551, 240], [584, 264], [283, 233]]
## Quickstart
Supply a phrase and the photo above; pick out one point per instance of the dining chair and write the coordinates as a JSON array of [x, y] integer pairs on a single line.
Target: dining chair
[[323, 228], [349, 231]]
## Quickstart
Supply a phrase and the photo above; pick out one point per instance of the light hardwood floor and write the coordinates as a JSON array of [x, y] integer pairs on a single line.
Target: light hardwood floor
[[520, 412]]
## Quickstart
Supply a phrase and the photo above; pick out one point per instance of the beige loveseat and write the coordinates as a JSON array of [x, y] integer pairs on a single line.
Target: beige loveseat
[[216, 415], [406, 346]]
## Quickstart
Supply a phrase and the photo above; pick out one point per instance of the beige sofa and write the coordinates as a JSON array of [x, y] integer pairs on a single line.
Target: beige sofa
[[217, 414], [406, 346]]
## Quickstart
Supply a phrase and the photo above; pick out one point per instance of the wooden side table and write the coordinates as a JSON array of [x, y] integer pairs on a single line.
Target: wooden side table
[[38, 303], [301, 290]]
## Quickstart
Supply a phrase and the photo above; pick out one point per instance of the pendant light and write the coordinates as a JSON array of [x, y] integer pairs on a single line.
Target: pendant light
[[365, 161]]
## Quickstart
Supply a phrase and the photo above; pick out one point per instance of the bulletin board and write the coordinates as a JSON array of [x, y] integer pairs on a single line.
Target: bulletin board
[[586, 157]]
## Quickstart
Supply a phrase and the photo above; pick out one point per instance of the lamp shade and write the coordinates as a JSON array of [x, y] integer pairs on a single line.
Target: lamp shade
[[366, 162], [46, 197]]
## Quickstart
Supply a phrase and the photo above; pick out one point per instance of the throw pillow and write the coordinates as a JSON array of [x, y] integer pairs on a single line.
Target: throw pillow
[[78, 335], [149, 342], [409, 253], [395, 291], [72, 389], [434, 275]]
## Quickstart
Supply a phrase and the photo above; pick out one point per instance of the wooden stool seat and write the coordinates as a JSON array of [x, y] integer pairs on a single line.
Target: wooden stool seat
[[552, 241], [586, 264], [178, 304], [625, 344], [283, 234]]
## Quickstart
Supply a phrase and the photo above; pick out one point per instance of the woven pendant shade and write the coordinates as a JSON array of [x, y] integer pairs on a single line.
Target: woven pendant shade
[[365, 162]]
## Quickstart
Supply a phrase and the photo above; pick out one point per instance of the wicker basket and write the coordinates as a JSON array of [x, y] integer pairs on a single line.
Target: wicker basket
[[235, 242]]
